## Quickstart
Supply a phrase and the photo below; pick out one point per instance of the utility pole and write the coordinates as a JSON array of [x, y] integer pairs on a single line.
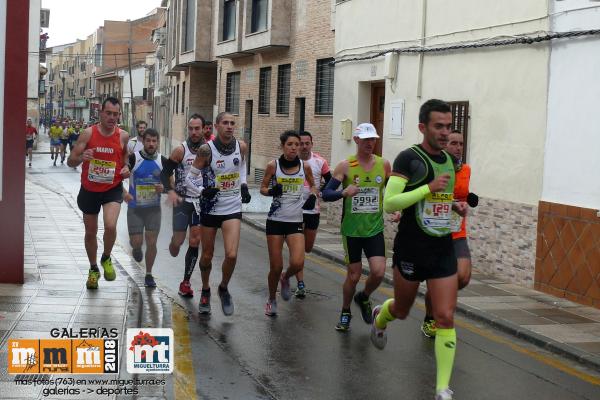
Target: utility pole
[[131, 83]]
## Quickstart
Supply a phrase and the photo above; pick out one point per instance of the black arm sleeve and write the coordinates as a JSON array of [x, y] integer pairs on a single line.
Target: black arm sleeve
[[326, 177], [166, 173], [131, 161]]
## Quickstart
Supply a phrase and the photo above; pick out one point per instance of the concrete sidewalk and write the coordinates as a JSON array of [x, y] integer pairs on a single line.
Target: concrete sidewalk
[[563, 327], [54, 293]]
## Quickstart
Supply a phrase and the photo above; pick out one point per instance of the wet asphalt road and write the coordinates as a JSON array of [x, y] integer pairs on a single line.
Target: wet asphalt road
[[299, 355]]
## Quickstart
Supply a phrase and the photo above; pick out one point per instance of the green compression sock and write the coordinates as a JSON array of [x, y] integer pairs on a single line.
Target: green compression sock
[[445, 347], [384, 315]]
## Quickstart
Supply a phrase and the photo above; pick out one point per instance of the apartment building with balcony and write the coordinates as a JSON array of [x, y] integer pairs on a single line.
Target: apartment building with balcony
[[98, 66], [189, 66], [274, 71]]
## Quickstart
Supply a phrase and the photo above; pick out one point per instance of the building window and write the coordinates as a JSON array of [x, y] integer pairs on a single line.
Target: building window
[[232, 93], [324, 87], [177, 100], [183, 97], [190, 24], [283, 88], [264, 91], [259, 15], [228, 20], [98, 56], [82, 91]]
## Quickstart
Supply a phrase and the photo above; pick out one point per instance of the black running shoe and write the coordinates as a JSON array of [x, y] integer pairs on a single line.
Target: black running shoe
[[226, 302], [364, 303], [137, 254], [344, 324]]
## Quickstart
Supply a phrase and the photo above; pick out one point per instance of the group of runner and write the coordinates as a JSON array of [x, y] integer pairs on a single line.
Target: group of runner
[[427, 183], [63, 133]]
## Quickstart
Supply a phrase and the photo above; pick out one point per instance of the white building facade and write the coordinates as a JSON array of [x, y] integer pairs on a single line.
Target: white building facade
[[568, 260], [498, 94]]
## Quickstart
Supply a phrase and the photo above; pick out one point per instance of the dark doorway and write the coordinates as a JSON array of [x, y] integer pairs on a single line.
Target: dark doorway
[[377, 115], [300, 114], [248, 132]]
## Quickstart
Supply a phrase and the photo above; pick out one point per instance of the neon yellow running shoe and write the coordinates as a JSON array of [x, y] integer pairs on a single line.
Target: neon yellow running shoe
[[109, 270], [92, 281], [429, 328]]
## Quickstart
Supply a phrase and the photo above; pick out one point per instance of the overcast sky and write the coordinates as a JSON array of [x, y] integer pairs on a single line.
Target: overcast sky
[[71, 20]]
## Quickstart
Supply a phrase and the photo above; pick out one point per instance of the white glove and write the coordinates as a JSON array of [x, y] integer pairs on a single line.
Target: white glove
[[193, 184]]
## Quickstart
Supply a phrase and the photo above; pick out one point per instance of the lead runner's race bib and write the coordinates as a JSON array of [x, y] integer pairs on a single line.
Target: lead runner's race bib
[[366, 201], [437, 210], [228, 184], [145, 195], [101, 171]]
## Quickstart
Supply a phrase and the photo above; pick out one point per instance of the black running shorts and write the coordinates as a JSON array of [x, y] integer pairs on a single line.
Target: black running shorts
[[420, 259], [216, 221], [279, 228], [90, 202], [311, 221], [373, 246]]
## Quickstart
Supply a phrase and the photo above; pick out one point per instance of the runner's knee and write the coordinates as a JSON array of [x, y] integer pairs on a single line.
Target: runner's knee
[[194, 241], [206, 258], [110, 226], [377, 273], [231, 257], [444, 318], [205, 267], [354, 276]]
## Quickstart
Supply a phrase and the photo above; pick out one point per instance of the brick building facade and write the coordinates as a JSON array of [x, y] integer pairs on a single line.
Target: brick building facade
[[300, 34]]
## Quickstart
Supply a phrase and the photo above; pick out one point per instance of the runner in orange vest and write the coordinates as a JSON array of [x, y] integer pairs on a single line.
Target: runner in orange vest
[[459, 224]]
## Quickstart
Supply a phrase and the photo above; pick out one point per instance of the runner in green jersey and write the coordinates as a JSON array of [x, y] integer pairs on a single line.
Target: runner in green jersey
[[422, 185], [363, 176]]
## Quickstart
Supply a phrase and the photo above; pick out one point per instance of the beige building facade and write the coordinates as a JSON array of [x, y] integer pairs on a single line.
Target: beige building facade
[[498, 94]]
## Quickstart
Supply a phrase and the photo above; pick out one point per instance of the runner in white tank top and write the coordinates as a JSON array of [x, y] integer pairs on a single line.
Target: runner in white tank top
[[218, 176], [284, 223], [224, 174], [288, 206], [182, 199]]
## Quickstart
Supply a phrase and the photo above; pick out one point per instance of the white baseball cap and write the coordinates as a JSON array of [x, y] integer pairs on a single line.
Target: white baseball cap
[[365, 131]]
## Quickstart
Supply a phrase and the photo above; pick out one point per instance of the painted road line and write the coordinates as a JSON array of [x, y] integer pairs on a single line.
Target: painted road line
[[548, 360], [184, 376]]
